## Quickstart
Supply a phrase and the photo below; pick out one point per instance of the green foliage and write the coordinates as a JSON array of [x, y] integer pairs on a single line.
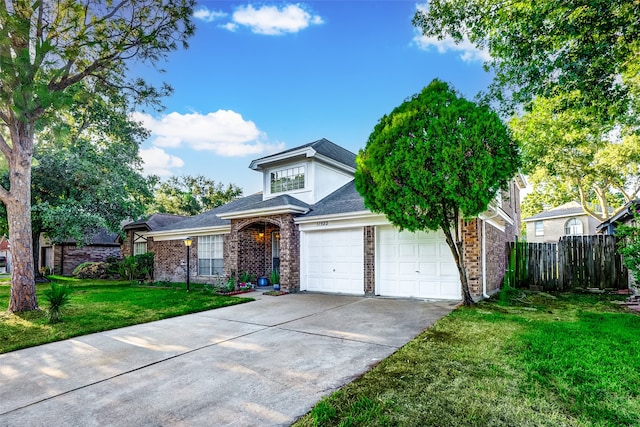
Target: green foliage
[[573, 154], [191, 195], [629, 245], [274, 277], [57, 297], [547, 47], [137, 267], [246, 277], [81, 266], [435, 157]]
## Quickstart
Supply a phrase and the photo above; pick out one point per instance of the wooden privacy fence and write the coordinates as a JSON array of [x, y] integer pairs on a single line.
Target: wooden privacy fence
[[575, 262]]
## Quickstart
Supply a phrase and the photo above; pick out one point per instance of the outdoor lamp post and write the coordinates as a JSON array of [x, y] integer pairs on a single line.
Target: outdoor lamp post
[[187, 242]]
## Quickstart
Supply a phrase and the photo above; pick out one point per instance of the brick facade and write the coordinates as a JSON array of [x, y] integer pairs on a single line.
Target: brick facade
[[369, 236], [247, 247]]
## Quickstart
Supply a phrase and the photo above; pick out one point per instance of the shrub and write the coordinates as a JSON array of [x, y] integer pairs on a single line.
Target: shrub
[[136, 267], [57, 297]]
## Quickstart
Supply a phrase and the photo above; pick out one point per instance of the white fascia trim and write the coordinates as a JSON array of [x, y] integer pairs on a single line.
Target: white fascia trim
[[554, 217], [276, 210], [187, 232], [345, 220], [256, 164]]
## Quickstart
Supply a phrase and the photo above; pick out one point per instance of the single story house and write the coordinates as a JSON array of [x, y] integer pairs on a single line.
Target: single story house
[[569, 219], [63, 258], [310, 224], [623, 217], [135, 242]]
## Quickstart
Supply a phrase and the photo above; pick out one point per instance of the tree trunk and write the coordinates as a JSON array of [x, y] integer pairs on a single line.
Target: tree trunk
[[18, 203], [457, 251]]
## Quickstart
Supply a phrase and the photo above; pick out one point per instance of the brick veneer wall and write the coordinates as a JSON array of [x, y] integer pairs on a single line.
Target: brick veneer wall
[[472, 238], [369, 260], [240, 253], [170, 260], [496, 257]]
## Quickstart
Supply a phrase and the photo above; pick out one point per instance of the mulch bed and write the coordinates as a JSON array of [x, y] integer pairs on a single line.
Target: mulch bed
[[275, 293]]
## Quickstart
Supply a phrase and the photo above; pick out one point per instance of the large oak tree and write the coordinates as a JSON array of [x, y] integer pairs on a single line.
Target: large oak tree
[[434, 160], [48, 49]]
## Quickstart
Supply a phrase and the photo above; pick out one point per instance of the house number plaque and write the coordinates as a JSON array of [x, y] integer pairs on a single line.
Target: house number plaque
[[322, 223]]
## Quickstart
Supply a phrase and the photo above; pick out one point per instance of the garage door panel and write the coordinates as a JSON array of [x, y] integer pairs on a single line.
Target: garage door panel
[[415, 265], [334, 261]]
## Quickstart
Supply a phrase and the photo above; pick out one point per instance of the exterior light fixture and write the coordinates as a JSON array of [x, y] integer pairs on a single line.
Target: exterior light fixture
[[187, 242]]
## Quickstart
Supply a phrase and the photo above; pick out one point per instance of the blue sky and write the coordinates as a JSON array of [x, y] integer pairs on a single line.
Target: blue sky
[[262, 77]]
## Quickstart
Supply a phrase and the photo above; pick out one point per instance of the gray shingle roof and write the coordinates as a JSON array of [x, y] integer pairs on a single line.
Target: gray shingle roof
[[211, 219], [155, 221], [557, 213], [344, 200], [326, 148]]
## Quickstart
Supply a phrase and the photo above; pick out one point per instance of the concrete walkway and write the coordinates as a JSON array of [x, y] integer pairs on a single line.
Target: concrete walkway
[[262, 363]]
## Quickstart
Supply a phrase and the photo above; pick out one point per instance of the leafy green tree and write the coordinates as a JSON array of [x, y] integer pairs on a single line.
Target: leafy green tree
[[47, 49], [87, 172], [191, 195], [436, 159], [629, 244], [548, 47], [572, 145]]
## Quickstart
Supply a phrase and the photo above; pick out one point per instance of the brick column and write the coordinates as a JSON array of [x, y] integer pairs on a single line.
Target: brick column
[[369, 260]]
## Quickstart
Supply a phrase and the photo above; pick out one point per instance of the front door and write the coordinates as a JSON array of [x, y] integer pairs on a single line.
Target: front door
[[275, 251]]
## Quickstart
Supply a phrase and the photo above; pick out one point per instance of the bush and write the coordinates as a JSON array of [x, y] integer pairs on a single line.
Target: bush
[[57, 297], [137, 267]]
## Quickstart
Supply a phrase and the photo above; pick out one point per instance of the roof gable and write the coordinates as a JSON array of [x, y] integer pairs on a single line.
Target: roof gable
[[322, 148]]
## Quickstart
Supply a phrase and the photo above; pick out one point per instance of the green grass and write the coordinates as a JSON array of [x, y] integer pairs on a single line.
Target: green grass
[[524, 359], [99, 305]]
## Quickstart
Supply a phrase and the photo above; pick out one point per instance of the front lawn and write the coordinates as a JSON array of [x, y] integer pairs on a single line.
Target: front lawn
[[526, 359], [99, 305]]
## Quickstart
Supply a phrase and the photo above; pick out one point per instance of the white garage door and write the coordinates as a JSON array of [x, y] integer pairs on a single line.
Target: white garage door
[[415, 265], [333, 261]]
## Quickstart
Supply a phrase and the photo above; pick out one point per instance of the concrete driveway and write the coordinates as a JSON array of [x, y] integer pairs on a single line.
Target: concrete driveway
[[262, 363]]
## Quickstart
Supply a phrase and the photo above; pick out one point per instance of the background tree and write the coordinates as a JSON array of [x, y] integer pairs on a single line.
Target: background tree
[[46, 50], [191, 195], [87, 172], [437, 158], [595, 160], [548, 47]]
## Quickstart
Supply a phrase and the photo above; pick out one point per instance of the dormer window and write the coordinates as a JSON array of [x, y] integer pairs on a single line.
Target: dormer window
[[287, 179]]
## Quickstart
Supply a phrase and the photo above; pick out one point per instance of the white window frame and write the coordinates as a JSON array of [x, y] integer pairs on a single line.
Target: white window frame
[[287, 179], [573, 227], [211, 255], [539, 228], [140, 248]]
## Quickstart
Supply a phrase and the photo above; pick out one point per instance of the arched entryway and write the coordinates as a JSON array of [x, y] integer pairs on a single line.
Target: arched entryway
[[260, 245]]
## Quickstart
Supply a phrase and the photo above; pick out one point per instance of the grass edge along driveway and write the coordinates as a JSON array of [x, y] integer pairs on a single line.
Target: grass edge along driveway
[[100, 305], [520, 359]]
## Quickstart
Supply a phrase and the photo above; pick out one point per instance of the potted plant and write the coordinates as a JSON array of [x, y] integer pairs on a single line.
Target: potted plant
[[245, 280], [274, 278]]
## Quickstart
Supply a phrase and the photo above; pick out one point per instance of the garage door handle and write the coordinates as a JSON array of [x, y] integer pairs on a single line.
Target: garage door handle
[[417, 271]]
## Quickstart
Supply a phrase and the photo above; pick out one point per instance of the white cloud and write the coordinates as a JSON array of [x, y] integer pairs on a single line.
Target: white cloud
[[223, 132], [468, 52], [271, 20], [207, 15], [159, 162]]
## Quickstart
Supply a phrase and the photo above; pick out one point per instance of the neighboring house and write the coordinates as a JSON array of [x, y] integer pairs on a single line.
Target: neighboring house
[[311, 225], [63, 258], [569, 219], [5, 255], [135, 242], [623, 217]]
